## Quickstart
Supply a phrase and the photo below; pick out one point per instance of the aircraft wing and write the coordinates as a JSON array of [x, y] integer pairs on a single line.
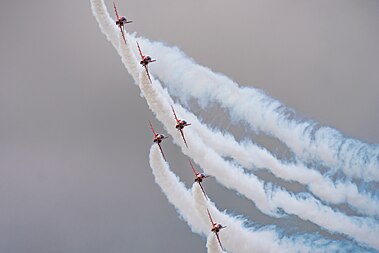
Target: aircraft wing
[[201, 186], [193, 169], [139, 49], [184, 139], [123, 35], [176, 118], [147, 72], [115, 9], [160, 148], [210, 217], [219, 241], [152, 129]]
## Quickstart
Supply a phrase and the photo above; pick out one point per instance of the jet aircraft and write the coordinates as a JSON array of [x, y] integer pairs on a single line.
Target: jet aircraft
[[121, 21], [199, 178], [216, 227], [180, 124], [158, 138], [145, 60]]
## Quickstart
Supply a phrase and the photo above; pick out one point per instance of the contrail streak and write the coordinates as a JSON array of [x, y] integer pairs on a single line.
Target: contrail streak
[[128, 58], [175, 191], [232, 176], [179, 196], [252, 155], [307, 139], [249, 185], [263, 238], [236, 237], [260, 242], [106, 23], [305, 206]]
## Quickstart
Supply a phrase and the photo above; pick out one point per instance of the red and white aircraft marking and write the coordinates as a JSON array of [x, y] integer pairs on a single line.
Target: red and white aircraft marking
[[145, 60], [216, 227], [158, 139], [199, 178], [120, 22], [180, 124]]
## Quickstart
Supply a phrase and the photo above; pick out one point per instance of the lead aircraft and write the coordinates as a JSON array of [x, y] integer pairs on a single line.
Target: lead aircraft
[[121, 21]]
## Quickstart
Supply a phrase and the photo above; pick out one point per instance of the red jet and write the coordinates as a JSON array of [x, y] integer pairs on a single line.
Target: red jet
[[145, 60], [158, 139], [216, 227], [199, 178], [120, 22], [180, 124]]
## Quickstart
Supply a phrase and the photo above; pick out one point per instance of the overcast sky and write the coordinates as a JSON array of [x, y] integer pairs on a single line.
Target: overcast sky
[[74, 139]]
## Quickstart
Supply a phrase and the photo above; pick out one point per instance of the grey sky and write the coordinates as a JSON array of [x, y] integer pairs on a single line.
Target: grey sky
[[74, 138]]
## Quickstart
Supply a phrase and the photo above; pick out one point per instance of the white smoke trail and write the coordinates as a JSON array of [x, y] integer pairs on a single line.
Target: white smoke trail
[[155, 111], [305, 206], [362, 229], [262, 238], [175, 191], [128, 58], [324, 144], [307, 139], [249, 155], [265, 241], [232, 178], [322, 187], [236, 237], [248, 185], [179, 196], [106, 23]]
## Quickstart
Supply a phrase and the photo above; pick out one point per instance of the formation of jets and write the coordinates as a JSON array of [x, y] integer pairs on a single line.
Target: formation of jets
[[180, 123]]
